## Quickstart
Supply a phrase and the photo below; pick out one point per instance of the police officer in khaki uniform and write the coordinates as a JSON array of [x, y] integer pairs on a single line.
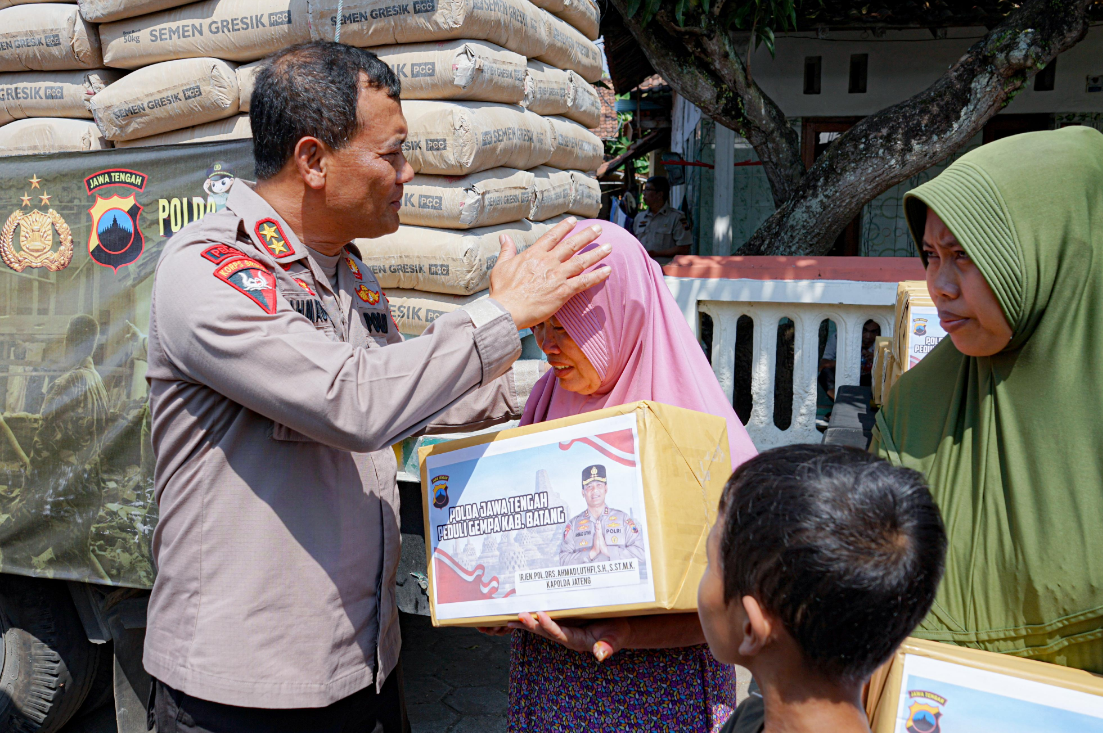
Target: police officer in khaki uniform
[[599, 533], [278, 382], [663, 231]]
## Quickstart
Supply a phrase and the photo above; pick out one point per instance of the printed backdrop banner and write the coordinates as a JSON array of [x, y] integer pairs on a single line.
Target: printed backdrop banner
[[80, 239]]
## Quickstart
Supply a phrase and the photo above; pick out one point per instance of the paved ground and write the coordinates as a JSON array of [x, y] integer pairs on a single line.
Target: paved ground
[[456, 680]]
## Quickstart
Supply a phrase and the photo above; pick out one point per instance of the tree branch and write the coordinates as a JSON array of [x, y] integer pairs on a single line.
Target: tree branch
[[896, 143], [706, 69]]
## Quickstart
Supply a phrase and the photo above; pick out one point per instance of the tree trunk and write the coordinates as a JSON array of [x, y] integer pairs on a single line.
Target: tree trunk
[[898, 142], [880, 151]]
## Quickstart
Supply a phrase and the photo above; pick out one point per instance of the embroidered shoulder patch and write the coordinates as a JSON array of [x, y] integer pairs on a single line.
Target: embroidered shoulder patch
[[369, 296], [270, 234], [353, 268], [252, 279], [219, 253]]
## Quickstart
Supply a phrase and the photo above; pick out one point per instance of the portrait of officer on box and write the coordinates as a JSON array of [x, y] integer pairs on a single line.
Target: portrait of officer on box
[[600, 532]]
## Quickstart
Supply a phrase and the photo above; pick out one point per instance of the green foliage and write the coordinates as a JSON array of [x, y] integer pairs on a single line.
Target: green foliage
[[762, 18], [613, 148]]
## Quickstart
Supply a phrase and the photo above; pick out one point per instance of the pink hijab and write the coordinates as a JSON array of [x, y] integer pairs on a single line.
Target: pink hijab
[[633, 333]]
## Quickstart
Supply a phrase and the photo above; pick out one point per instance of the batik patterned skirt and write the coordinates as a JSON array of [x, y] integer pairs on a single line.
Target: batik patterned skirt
[[555, 690]]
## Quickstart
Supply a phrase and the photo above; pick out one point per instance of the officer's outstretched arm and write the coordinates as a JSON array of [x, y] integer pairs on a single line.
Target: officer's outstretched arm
[[273, 361]]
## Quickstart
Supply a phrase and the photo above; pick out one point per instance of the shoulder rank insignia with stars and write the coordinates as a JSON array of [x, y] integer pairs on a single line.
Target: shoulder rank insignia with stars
[[367, 295], [251, 278], [353, 268], [270, 234]]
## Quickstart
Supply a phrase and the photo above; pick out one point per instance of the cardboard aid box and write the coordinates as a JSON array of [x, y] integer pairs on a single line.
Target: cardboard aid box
[[917, 327], [509, 529], [928, 687]]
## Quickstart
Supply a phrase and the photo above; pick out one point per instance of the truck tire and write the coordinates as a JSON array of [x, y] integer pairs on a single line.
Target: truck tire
[[47, 664]]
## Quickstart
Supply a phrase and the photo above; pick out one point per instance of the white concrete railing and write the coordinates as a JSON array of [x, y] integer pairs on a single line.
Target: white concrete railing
[[807, 303]]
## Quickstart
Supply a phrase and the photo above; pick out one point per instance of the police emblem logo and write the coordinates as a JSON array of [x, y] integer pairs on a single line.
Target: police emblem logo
[[925, 713], [250, 278], [369, 296], [920, 327], [116, 239], [353, 268], [440, 491], [270, 234], [36, 235]]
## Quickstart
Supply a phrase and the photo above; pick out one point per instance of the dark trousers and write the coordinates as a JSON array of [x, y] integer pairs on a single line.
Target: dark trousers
[[360, 712]]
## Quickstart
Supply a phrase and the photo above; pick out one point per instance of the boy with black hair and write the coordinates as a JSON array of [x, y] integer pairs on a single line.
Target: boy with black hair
[[822, 561]]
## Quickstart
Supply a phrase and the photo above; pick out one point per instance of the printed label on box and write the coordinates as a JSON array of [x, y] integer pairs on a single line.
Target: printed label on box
[[924, 333], [541, 522], [943, 697]]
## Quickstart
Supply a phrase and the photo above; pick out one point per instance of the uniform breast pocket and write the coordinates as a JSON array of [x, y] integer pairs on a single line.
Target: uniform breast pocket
[[312, 310]]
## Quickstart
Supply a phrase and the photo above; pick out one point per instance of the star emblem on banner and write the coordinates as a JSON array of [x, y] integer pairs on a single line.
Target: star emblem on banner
[[45, 198], [35, 180], [25, 199]]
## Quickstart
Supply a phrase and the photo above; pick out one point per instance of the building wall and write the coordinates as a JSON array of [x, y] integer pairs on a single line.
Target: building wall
[[901, 64], [904, 63]]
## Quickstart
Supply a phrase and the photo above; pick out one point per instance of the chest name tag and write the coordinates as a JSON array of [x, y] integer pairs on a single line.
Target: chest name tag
[[311, 309], [377, 322]]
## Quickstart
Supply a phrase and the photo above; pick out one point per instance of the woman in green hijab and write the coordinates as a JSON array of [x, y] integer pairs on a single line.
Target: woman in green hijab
[[1005, 417]]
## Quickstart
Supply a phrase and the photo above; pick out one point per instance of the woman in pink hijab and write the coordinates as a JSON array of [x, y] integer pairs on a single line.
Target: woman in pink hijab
[[618, 342]]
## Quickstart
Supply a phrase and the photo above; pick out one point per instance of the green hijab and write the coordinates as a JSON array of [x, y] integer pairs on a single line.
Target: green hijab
[[1012, 444]]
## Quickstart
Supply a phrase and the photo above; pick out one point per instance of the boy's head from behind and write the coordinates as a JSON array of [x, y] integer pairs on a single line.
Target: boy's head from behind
[[825, 551]]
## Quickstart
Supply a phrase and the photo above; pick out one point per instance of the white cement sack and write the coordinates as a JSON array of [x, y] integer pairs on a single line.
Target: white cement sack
[[414, 311], [552, 91], [47, 37], [50, 135], [473, 70], [514, 24], [553, 191], [167, 96], [231, 128], [585, 195], [441, 260], [457, 138], [235, 30], [52, 93], [576, 147], [582, 14], [9, 3], [105, 11], [496, 196], [246, 78], [585, 103], [547, 89], [569, 49]]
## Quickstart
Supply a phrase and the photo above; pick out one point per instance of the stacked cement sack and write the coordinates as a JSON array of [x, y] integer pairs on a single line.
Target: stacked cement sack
[[498, 98], [51, 66]]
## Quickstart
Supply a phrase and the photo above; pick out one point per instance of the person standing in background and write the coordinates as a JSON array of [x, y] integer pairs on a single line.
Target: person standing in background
[[664, 232]]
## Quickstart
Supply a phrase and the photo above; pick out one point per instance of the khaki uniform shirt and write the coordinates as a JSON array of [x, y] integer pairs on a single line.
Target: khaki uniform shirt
[[622, 538], [663, 230], [274, 402]]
